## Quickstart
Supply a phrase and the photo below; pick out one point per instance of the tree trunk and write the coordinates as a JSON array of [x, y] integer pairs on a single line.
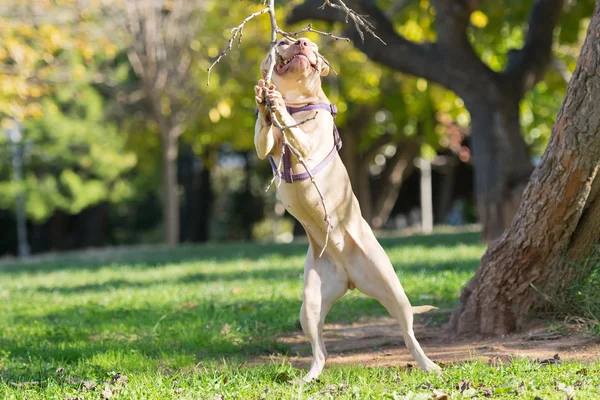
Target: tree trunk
[[205, 206], [502, 164], [400, 166], [557, 222], [445, 193], [170, 152]]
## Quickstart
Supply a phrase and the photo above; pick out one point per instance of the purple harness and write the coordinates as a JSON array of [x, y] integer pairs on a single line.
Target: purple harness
[[287, 174]]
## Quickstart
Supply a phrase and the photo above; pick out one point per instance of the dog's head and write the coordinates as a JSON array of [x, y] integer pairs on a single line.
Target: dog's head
[[298, 66]]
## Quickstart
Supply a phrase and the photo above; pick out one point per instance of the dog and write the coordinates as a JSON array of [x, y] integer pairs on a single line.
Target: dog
[[353, 258]]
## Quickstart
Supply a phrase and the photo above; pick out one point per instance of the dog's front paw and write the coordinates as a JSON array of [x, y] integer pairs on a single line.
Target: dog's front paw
[[259, 97], [275, 101]]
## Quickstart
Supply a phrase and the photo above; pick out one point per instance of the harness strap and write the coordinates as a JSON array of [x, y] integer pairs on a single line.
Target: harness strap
[[287, 174]]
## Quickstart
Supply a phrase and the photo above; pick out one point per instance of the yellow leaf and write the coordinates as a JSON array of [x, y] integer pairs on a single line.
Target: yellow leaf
[[214, 115], [224, 109], [479, 19]]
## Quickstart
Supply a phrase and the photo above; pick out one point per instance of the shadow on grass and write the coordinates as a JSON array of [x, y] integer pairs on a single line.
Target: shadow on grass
[[206, 332], [150, 257], [263, 274]]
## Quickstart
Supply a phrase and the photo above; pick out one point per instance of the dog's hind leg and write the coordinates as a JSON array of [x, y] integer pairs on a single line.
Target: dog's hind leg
[[372, 274], [324, 283]]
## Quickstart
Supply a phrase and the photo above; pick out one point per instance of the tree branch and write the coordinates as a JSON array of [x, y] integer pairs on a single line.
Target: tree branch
[[528, 64], [423, 60]]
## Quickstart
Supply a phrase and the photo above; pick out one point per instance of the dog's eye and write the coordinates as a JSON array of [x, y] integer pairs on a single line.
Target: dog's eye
[[281, 42]]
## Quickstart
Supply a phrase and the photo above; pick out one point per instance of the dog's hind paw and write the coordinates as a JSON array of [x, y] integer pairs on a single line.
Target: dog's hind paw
[[432, 368]]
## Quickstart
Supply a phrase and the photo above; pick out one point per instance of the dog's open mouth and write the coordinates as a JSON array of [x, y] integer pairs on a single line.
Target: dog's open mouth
[[298, 60]]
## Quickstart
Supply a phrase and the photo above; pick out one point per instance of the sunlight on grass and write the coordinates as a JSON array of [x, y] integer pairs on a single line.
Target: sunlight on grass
[[166, 317]]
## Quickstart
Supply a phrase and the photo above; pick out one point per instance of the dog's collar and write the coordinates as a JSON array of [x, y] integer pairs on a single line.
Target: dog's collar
[[287, 174]]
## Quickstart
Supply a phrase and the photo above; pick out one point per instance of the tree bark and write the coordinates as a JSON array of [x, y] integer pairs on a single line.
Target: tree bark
[[556, 227], [501, 162], [170, 151]]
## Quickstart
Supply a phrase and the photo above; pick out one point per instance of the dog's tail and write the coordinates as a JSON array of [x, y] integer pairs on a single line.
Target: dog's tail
[[422, 309]]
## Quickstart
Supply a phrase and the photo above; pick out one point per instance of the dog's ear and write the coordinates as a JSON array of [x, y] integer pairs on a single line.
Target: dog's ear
[[324, 66]]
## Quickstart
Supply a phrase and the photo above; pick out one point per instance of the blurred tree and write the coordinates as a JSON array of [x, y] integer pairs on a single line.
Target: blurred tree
[[49, 57], [163, 46], [491, 80], [555, 234]]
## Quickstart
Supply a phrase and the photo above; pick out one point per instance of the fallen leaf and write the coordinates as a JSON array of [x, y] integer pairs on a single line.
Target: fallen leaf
[[179, 390], [495, 361], [470, 392], [89, 385], [487, 392], [439, 395], [72, 398], [422, 396], [548, 361], [225, 379], [120, 379], [226, 329], [59, 371], [106, 393], [569, 390], [464, 385]]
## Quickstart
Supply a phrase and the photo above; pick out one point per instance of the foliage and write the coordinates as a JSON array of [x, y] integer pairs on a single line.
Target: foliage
[[74, 158]]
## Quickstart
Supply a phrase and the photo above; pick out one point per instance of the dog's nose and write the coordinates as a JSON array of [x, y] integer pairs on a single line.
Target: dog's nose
[[302, 42]]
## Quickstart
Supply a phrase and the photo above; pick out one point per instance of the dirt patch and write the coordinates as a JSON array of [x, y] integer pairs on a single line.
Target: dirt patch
[[378, 342]]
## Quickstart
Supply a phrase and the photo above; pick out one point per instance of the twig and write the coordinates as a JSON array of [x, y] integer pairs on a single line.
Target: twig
[[234, 33], [358, 19], [327, 62], [309, 28]]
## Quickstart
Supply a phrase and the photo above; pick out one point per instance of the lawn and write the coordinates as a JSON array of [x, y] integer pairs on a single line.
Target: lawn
[[182, 324]]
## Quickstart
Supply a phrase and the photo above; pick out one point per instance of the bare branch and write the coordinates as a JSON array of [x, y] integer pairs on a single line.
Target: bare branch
[[309, 28], [234, 33], [359, 21]]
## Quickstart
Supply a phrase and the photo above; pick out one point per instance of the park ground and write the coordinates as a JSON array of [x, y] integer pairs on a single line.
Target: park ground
[[220, 322]]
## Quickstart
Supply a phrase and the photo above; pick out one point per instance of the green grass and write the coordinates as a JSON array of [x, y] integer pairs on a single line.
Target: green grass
[[182, 323]]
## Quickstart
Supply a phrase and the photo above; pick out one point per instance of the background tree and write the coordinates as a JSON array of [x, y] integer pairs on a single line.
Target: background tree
[[164, 42], [555, 231], [492, 96], [50, 57]]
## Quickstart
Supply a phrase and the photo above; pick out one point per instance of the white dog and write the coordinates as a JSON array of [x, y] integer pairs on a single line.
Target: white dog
[[353, 257]]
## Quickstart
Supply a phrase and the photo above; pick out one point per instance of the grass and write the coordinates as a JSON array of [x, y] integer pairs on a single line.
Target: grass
[[181, 324]]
